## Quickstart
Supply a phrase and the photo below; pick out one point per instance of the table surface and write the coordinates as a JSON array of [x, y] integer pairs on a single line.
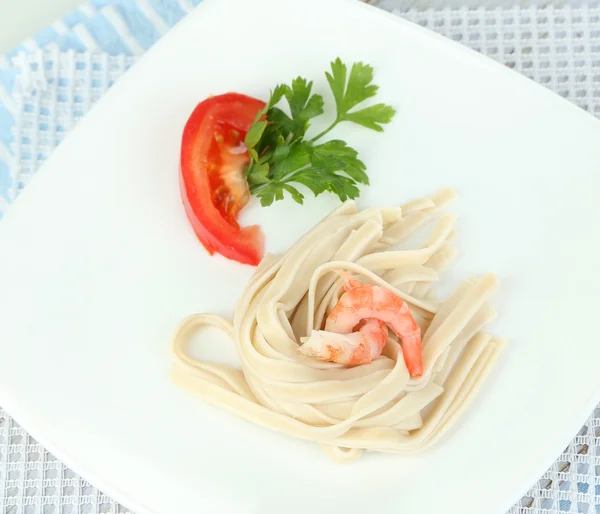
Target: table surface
[[20, 19], [26, 17]]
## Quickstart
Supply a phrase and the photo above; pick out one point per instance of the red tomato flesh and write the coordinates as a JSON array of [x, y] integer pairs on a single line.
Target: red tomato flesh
[[213, 183]]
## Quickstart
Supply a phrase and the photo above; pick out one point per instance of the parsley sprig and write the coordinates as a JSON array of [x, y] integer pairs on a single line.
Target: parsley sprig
[[281, 155]]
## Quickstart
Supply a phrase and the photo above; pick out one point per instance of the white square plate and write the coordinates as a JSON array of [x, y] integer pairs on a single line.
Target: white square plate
[[98, 265]]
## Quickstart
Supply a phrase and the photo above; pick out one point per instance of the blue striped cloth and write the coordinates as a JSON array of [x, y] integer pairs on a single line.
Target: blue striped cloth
[[116, 27]]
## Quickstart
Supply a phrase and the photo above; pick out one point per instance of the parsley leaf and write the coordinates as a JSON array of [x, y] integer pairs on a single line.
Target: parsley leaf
[[290, 158], [359, 85], [276, 95], [275, 192], [280, 154], [336, 154], [371, 117], [303, 106], [353, 91], [331, 166], [258, 173]]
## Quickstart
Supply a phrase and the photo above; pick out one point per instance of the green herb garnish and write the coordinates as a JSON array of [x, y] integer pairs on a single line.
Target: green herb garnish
[[280, 154]]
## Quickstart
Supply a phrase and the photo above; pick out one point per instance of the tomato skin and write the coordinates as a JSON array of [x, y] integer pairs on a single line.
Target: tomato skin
[[215, 224]]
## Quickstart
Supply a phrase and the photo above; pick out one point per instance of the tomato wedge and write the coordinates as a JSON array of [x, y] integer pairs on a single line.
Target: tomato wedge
[[212, 179]]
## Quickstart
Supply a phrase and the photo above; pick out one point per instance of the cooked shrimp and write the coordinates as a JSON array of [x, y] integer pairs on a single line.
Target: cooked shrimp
[[362, 302], [359, 347]]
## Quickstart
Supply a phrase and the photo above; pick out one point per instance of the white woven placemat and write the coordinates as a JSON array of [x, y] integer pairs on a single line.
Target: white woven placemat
[[557, 47]]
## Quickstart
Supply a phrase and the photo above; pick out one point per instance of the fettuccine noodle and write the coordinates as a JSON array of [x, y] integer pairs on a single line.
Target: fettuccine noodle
[[373, 407]]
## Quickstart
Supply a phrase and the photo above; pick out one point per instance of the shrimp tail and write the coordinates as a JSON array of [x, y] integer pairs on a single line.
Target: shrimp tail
[[411, 349]]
